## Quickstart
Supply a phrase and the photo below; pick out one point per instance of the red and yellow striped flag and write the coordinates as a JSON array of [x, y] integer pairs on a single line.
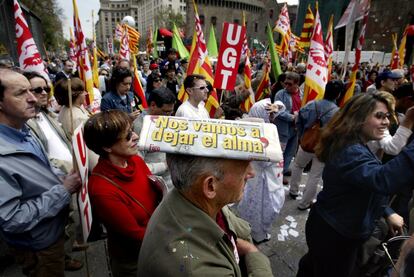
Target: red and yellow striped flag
[[401, 49], [305, 35], [247, 73], [200, 64], [264, 86], [134, 37]]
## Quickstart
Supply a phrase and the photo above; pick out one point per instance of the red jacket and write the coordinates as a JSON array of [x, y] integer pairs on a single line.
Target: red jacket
[[124, 219]]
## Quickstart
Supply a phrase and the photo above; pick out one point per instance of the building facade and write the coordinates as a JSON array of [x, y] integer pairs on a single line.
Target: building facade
[[258, 14], [385, 17], [144, 12]]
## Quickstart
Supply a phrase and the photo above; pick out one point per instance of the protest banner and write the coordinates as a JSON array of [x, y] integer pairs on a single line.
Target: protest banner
[[80, 152], [211, 138], [229, 55]]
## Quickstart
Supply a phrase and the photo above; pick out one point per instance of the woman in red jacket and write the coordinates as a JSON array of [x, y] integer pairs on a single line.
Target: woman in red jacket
[[121, 195]]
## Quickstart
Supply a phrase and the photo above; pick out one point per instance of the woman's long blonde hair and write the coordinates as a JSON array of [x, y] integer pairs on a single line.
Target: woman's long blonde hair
[[345, 127]]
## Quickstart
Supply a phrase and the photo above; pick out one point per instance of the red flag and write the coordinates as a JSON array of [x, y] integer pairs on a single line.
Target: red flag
[[29, 56], [316, 69], [124, 52], [137, 87]]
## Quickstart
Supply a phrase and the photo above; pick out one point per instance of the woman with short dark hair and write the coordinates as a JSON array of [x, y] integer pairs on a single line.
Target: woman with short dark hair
[[119, 188], [120, 96]]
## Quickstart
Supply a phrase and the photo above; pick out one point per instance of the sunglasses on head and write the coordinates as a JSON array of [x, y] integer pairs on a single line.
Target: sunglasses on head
[[382, 115], [39, 90]]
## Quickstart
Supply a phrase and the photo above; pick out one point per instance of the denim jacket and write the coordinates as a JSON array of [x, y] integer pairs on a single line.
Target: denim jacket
[[285, 121], [307, 114], [356, 187], [112, 101]]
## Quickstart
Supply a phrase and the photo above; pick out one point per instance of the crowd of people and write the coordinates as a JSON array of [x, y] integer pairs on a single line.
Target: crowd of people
[[171, 214]]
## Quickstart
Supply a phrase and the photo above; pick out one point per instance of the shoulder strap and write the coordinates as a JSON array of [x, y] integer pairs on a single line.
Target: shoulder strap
[[119, 187]]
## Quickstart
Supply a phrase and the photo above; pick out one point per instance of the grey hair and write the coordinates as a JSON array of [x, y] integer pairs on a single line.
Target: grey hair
[[295, 77], [185, 169]]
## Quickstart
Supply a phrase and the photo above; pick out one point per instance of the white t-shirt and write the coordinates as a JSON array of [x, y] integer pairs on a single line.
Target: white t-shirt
[[188, 110]]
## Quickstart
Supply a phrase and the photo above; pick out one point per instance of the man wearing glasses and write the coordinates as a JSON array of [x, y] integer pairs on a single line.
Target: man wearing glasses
[[291, 97], [196, 87]]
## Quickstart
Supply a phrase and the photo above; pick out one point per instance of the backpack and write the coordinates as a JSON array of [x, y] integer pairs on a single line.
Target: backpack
[[311, 136]]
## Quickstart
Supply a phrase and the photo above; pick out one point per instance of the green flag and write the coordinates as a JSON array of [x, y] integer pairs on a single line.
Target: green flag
[[154, 43], [274, 58], [178, 44], [212, 44]]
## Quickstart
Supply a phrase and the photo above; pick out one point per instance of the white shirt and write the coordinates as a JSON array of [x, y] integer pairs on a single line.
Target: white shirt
[[57, 148], [188, 110]]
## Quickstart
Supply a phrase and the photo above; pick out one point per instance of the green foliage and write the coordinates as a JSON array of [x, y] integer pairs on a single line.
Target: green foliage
[[167, 16], [50, 14]]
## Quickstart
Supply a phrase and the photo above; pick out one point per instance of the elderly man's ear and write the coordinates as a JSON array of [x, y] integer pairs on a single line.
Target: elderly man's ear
[[210, 187]]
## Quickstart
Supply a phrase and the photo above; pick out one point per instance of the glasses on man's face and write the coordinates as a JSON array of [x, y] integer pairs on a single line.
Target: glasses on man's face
[[382, 115], [39, 90], [201, 88], [288, 84]]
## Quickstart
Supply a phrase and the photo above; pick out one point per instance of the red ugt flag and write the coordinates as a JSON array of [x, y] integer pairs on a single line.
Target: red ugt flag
[[29, 57]]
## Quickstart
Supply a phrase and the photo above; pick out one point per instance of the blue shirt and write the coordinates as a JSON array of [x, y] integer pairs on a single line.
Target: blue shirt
[[23, 140]]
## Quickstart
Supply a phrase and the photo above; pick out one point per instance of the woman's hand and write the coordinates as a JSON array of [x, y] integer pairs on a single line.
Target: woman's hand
[[395, 223]]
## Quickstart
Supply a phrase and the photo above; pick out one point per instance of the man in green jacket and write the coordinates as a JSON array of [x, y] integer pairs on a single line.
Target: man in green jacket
[[192, 232]]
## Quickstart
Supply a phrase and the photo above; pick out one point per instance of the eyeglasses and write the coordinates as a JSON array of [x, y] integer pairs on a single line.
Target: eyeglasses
[[288, 84], [39, 90], [382, 115], [201, 88], [157, 80], [129, 135]]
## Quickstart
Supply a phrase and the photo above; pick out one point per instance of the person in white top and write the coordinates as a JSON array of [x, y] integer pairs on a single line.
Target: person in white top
[[196, 87]]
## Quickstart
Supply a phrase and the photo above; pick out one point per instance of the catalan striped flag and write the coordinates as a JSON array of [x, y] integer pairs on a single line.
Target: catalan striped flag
[[84, 64], [247, 72], [401, 49], [134, 37], [264, 86], [307, 29], [200, 64], [352, 81]]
